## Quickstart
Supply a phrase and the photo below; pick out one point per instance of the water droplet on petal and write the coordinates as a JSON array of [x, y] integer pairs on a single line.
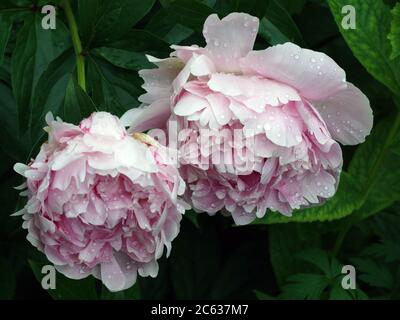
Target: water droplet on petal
[[296, 56], [313, 60], [216, 43]]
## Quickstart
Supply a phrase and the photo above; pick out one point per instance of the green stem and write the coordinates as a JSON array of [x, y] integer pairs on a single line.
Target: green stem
[[76, 41], [372, 175]]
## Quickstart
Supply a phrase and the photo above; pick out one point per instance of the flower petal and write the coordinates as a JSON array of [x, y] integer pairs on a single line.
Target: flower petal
[[230, 38], [315, 75], [148, 117], [348, 115]]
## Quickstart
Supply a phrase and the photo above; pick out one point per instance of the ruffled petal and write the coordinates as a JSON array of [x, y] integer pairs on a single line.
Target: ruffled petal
[[314, 74], [348, 115], [230, 38]]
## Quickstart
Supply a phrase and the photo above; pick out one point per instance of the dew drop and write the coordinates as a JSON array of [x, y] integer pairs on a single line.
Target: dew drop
[[298, 138], [246, 24], [313, 60], [267, 127], [216, 43], [296, 56]]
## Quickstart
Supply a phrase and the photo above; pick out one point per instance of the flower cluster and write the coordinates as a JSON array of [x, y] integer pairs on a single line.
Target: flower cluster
[[254, 131]]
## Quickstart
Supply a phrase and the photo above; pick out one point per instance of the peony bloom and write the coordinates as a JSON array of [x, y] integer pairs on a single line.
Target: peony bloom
[[101, 202], [257, 130]]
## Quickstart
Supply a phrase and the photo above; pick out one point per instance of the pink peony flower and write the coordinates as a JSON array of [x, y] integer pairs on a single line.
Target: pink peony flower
[[257, 130], [101, 202]]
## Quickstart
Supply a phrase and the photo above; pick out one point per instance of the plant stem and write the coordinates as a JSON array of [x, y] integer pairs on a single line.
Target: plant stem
[[372, 175], [76, 41]]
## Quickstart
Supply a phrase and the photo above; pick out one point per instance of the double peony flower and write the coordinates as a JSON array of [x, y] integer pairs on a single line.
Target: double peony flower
[[254, 130]]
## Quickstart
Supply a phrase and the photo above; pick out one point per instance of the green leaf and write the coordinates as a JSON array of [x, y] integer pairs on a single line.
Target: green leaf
[[35, 48], [369, 41], [254, 7], [77, 104], [190, 13], [194, 262], [347, 199], [374, 274], [305, 286], [67, 289], [394, 35], [375, 167], [110, 20], [338, 293], [5, 27], [50, 90], [112, 89], [386, 250], [263, 296], [165, 26], [283, 248], [278, 26], [318, 258], [124, 58], [141, 41], [14, 146]]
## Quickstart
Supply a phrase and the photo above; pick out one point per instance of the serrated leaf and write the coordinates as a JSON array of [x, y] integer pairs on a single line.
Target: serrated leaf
[[285, 240], [318, 258], [386, 250], [305, 286], [338, 293], [394, 35], [379, 180], [372, 273], [369, 41]]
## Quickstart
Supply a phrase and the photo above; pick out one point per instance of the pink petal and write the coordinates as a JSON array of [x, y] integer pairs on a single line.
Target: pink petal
[[348, 115], [230, 38], [148, 117], [258, 91], [112, 275], [315, 75], [189, 104]]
